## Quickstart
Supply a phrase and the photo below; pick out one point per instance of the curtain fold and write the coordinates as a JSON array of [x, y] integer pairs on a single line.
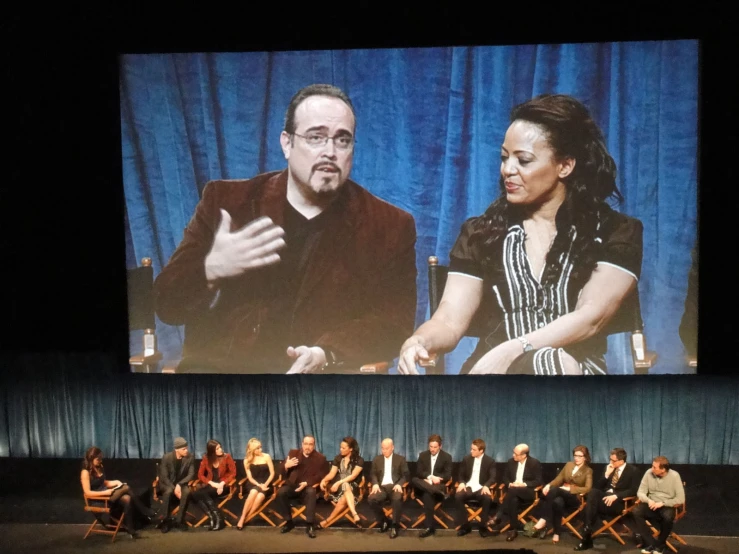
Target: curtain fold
[[57, 405]]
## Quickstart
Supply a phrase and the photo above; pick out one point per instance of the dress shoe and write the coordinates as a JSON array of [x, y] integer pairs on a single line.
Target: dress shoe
[[393, 531], [639, 540], [585, 544], [164, 526], [384, 526], [464, 530], [310, 531], [484, 532], [427, 532], [289, 526], [511, 536]]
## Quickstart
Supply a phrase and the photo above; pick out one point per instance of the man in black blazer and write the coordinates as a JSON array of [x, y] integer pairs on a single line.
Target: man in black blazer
[[176, 470], [522, 476], [389, 474], [619, 480], [476, 476], [434, 469]]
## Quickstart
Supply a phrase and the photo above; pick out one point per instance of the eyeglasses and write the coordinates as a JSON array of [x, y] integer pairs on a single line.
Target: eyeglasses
[[316, 140]]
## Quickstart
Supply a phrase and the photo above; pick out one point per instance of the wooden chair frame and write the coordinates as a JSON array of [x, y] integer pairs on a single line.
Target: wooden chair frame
[[680, 511], [345, 512], [388, 510], [522, 515], [112, 527], [473, 513], [267, 501], [438, 511], [629, 505], [174, 511], [196, 484]]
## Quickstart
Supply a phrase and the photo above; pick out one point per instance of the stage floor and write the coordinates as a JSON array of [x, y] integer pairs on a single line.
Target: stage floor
[[67, 538]]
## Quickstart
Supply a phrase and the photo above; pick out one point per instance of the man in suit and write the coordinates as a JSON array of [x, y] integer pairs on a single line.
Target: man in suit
[[618, 481], [434, 469], [296, 271], [476, 476], [522, 476], [303, 470], [176, 470], [389, 474]]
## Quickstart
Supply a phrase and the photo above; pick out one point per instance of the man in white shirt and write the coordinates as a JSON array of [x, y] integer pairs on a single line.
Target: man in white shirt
[[476, 477], [522, 476], [434, 469], [389, 474], [619, 480]]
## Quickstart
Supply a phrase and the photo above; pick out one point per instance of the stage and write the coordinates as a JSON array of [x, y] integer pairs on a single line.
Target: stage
[[67, 538]]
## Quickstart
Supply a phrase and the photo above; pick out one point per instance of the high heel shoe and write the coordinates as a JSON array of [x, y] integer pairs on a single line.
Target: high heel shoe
[[239, 527]]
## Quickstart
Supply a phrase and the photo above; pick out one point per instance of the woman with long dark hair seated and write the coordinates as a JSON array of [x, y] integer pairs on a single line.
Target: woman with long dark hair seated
[[551, 260], [576, 478], [348, 464], [217, 469], [95, 485], [260, 472]]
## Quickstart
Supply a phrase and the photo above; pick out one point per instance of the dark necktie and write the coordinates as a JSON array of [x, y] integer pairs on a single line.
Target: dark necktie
[[614, 478]]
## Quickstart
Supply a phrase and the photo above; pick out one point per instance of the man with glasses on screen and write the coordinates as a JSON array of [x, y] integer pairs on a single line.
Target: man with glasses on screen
[[295, 271]]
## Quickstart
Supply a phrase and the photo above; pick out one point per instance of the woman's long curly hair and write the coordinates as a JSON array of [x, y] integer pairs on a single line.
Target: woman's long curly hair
[[251, 447], [571, 133], [354, 445]]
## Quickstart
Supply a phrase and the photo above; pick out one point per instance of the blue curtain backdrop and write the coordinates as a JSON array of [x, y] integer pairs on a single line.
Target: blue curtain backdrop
[[430, 122], [59, 405]]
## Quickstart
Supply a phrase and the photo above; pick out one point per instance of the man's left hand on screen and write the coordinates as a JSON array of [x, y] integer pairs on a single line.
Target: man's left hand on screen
[[306, 359]]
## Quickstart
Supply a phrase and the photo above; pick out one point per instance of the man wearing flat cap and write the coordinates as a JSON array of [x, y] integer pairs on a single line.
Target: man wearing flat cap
[[176, 470]]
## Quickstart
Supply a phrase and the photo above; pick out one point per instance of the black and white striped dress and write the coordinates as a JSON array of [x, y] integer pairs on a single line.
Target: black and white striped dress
[[520, 303]]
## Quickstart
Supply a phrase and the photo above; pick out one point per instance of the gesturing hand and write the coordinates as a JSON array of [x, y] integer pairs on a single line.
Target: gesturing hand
[[306, 359], [252, 247], [411, 353]]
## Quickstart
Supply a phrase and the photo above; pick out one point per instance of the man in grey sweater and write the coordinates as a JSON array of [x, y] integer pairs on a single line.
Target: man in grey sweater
[[661, 489]]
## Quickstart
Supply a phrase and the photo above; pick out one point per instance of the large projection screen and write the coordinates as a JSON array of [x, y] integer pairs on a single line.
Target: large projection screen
[[430, 123]]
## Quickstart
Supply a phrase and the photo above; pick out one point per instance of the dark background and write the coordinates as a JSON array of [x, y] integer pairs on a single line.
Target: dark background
[[64, 285]]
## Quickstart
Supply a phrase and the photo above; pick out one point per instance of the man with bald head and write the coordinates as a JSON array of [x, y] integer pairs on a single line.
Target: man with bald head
[[389, 474], [294, 271], [522, 476]]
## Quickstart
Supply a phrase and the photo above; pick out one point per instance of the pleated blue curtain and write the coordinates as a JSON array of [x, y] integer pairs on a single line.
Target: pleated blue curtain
[[430, 125], [62, 404]]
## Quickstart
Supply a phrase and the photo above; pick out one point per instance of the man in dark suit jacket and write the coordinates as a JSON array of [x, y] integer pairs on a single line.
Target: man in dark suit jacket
[[476, 476], [522, 476], [389, 474], [303, 470], [300, 270], [618, 481], [176, 470], [434, 469]]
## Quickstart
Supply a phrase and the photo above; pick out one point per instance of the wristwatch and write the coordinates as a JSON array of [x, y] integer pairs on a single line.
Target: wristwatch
[[526, 344]]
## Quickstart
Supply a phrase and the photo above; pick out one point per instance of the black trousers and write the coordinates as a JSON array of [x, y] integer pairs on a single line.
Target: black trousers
[[430, 495], [462, 497], [307, 496], [377, 500], [552, 507], [165, 493], [514, 498], [595, 506], [209, 496], [129, 503], [663, 518]]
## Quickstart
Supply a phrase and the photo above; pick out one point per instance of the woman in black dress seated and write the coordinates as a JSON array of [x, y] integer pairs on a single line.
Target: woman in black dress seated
[[549, 262], [345, 490], [118, 494], [260, 472]]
